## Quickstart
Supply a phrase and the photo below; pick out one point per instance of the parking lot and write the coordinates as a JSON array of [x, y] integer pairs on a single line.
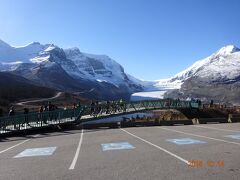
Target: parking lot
[[209, 151]]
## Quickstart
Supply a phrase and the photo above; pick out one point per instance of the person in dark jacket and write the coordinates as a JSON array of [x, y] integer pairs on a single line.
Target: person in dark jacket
[[108, 106], [92, 107], [25, 112], [40, 111], [50, 106], [11, 111], [1, 112]]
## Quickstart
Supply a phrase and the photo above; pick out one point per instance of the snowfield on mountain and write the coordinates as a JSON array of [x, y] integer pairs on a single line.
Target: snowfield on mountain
[[74, 71], [220, 71], [37, 62]]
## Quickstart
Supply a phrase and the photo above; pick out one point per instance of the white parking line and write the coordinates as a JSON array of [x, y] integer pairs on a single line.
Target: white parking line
[[158, 147], [17, 145], [72, 166], [191, 134], [227, 130], [14, 146]]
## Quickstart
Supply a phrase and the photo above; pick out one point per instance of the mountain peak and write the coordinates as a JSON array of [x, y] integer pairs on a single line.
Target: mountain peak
[[51, 47], [72, 51], [226, 50], [35, 43]]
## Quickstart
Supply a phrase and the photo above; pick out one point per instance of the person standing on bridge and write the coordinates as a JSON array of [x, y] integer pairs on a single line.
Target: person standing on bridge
[[11, 111], [79, 105], [74, 108], [25, 112], [50, 108], [40, 111], [97, 108], [45, 108], [92, 107], [74, 105], [108, 107], [1, 112], [211, 103], [114, 106], [122, 105]]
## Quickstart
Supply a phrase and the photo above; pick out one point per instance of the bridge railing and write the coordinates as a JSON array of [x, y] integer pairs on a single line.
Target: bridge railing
[[32, 120], [103, 109]]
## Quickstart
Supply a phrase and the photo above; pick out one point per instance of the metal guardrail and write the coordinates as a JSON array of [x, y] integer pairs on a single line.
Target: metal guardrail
[[83, 113], [36, 120]]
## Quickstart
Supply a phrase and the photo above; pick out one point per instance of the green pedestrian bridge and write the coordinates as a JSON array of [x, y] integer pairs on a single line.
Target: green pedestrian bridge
[[86, 113]]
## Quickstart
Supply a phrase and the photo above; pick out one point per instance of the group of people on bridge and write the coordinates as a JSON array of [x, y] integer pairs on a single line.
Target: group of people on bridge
[[107, 107], [44, 108]]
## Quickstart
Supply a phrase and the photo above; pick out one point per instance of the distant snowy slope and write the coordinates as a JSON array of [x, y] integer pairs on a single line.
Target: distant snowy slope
[[224, 64], [151, 95], [19, 54], [221, 67]]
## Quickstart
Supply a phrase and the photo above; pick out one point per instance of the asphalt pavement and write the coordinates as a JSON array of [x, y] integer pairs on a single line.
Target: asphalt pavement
[[209, 151]]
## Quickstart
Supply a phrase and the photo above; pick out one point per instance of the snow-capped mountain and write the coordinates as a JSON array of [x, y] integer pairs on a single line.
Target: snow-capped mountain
[[98, 76], [9, 54], [215, 77], [97, 67], [57, 55], [222, 65], [96, 71]]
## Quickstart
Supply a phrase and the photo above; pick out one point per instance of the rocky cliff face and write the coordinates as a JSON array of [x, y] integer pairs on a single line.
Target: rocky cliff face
[[95, 76]]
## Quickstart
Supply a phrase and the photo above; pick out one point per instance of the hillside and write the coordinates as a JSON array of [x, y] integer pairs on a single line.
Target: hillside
[[14, 88]]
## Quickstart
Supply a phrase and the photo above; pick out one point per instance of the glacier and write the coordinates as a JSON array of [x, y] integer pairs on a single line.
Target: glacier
[[221, 66]]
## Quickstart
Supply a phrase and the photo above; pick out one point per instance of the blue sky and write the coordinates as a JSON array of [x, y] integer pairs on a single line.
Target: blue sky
[[152, 39]]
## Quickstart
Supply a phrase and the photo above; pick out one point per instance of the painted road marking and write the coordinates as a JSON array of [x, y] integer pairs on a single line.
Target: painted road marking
[[216, 128], [185, 141], [158, 147], [46, 151], [215, 139], [117, 146], [74, 161], [17, 144], [234, 136], [14, 146]]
